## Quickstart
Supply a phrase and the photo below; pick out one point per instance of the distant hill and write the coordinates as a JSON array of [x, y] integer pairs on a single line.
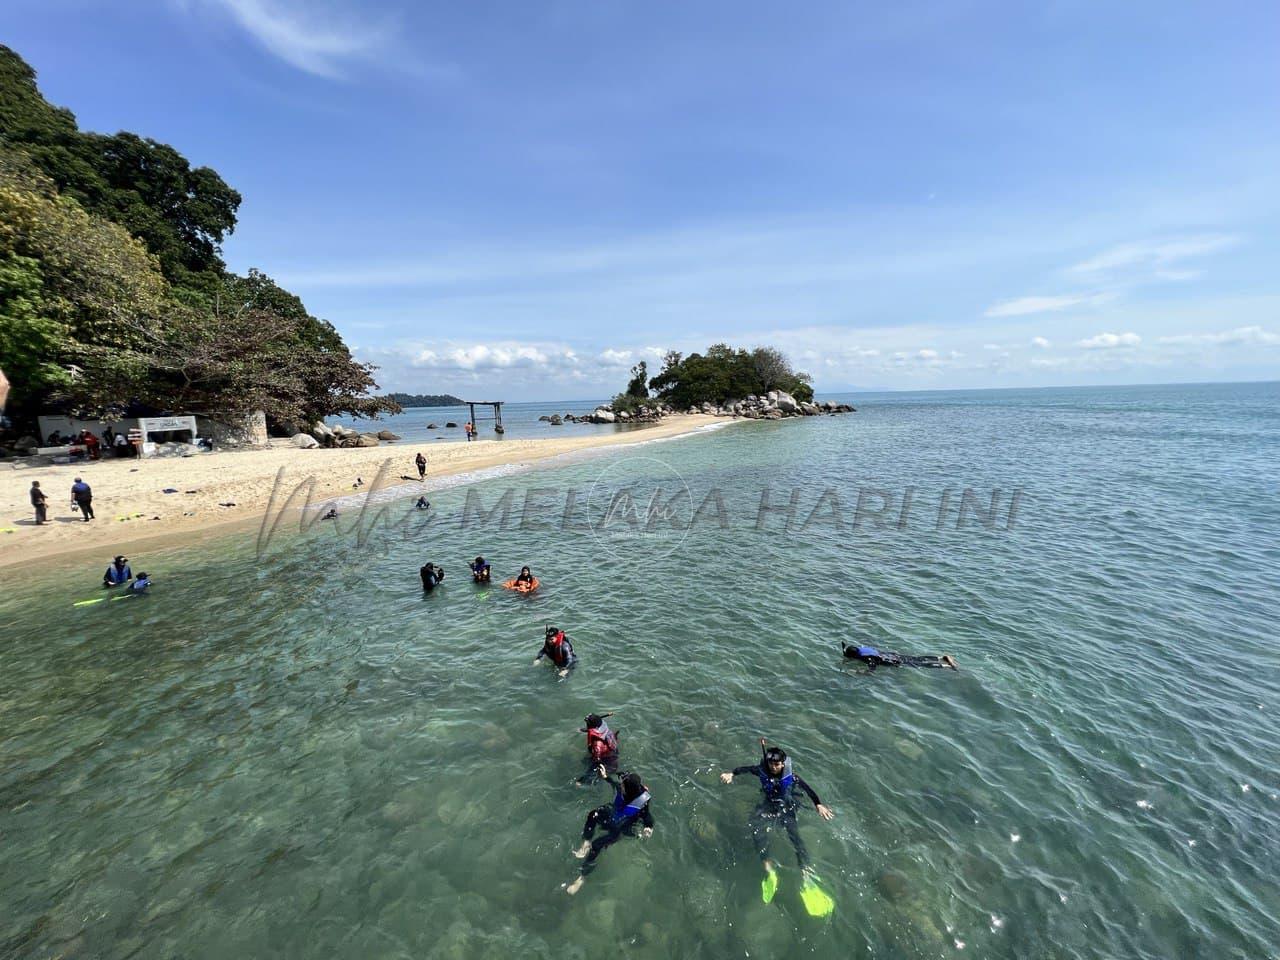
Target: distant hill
[[425, 399]]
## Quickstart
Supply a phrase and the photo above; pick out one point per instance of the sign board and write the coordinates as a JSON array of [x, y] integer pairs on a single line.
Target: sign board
[[160, 424]]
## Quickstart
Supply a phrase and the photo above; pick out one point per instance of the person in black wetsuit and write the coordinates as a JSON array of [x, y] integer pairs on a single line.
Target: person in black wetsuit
[[778, 806], [431, 576], [616, 819], [884, 658], [481, 571], [559, 650]]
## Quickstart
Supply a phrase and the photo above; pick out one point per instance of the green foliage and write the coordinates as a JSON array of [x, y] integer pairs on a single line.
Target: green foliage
[[724, 373], [425, 399], [112, 287], [638, 387]]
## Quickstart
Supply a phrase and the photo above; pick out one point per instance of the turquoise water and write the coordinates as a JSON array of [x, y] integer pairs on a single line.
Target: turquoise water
[[297, 754], [519, 420]]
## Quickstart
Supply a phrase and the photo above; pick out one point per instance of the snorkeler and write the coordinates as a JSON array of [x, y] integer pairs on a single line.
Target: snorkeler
[[778, 806], [118, 572], [602, 746], [630, 803], [883, 658], [431, 576], [423, 503], [480, 571], [559, 649], [140, 584]]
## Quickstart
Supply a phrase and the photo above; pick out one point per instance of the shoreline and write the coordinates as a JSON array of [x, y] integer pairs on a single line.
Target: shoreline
[[246, 478]]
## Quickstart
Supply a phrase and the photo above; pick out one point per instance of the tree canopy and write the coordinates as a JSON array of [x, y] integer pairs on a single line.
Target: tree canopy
[[112, 285], [724, 373]]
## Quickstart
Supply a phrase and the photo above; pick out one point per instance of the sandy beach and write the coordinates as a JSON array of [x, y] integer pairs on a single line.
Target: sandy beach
[[131, 507]]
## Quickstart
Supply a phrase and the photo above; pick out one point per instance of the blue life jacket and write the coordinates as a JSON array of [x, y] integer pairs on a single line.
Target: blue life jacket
[[140, 586], [868, 652], [778, 791], [118, 576], [623, 812]]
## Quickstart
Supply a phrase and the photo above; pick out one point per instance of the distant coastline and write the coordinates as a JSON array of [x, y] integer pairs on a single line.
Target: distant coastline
[[426, 399]]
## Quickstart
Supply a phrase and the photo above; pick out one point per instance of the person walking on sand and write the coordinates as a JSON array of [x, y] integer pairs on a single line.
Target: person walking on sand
[[40, 502], [421, 461], [82, 497]]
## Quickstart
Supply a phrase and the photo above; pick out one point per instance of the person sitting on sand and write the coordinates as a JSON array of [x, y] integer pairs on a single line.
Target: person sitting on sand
[[431, 576], [480, 571], [884, 658], [616, 819], [118, 572], [559, 649]]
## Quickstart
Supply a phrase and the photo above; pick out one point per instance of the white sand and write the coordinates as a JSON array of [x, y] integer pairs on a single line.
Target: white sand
[[132, 489]]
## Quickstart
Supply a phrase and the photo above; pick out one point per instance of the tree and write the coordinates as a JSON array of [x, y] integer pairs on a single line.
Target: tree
[[638, 387]]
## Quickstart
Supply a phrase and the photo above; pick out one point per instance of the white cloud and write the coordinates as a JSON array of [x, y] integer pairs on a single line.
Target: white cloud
[[1022, 306], [1155, 255], [1040, 342], [1250, 336], [1110, 341], [317, 41]]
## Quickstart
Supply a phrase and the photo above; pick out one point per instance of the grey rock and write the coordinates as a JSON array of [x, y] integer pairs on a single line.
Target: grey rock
[[305, 441], [367, 440], [387, 435]]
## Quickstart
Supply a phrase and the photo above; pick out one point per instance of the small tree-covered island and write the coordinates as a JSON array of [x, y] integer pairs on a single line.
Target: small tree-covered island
[[113, 291]]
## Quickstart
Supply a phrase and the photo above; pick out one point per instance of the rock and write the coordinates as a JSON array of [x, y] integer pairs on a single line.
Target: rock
[[771, 396], [601, 415], [387, 435], [544, 419], [828, 404], [691, 411], [912, 751], [892, 886], [450, 423], [555, 420], [623, 415], [787, 403], [305, 441], [809, 409], [366, 440], [773, 413], [27, 443], [432, 426]]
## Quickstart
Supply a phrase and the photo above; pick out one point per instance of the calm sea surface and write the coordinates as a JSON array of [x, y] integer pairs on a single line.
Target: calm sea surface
[[287, 750]]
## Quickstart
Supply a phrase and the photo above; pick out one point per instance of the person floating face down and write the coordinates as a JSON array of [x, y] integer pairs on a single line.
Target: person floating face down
[[883, 658], [481, 571], [778, 806], [559, 650], [431, 576], [602, 746], [118, 572], [615, 820]]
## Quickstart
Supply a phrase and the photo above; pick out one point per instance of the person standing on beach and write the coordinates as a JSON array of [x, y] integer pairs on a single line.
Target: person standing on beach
[[82, 496], [121, 445], [40, 502], [421, 461]]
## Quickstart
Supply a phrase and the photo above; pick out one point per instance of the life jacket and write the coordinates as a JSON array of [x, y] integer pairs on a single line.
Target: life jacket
[[115, 575], [554, 647], [139, 586], [779, 790], [624, 812], [601, 742], [868, 652]]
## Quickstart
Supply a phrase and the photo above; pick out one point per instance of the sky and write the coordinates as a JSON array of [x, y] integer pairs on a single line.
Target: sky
[[520, 200]]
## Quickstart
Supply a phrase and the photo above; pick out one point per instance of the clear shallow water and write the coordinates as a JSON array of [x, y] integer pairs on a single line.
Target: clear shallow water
[[300, 755], [520, 421]]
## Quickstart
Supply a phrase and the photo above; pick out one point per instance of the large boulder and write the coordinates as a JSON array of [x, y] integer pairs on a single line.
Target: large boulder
[[387, 435], [305, 441], [623, 415], [544, 419], [601, 415], [432, 426], [555, 420], [450, 423], [787, 403], [367, 440], [773, 413], [809, 409]]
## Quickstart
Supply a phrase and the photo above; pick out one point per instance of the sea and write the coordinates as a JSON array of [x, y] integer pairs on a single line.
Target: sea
[[288, 749]]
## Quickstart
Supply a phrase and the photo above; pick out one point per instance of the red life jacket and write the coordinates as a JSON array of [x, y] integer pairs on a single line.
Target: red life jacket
[[602, 743], [554, 647]]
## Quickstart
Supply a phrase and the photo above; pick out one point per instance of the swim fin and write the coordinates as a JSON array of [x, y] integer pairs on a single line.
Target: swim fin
[[769, 886], [816, 900], [85, 603]]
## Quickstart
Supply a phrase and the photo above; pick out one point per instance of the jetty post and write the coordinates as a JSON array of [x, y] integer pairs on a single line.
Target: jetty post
[[496, 416]]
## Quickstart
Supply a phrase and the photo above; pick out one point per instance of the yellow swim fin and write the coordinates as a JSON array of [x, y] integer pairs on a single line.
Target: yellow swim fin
[[815, 899], [769, 886]]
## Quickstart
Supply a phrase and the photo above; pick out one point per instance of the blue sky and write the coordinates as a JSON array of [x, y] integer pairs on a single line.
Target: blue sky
[[522, 199]]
